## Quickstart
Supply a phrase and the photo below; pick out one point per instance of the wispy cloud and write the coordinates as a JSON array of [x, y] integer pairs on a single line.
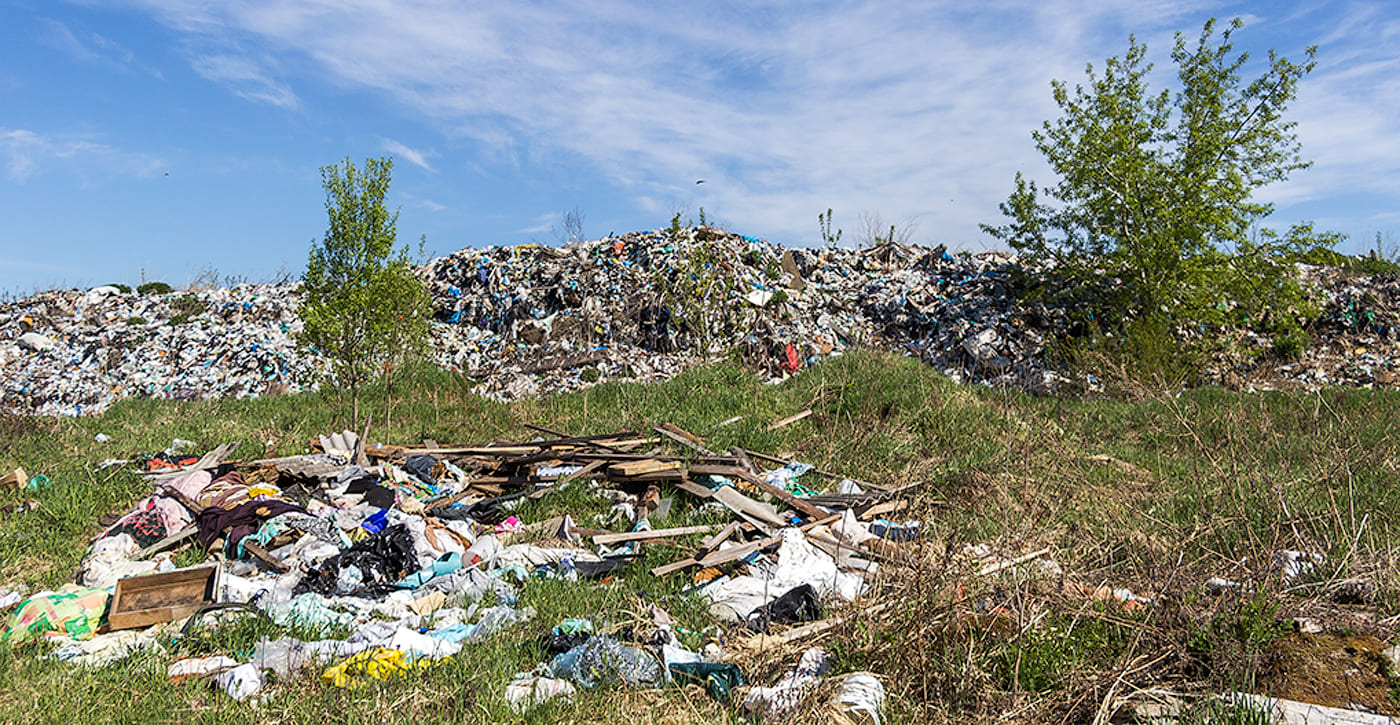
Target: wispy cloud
[[245, 78], [91, 48], [543, 223], [415, 157], [917, 110], [428, 204], [25, 153]]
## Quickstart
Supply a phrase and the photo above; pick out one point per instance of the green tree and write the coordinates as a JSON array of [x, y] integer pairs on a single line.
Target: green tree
[[363, 307], [1153, 207]]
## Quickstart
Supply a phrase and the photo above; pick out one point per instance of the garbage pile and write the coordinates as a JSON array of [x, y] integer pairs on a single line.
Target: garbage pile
[[532, 319], [1354, 341], [399, 557], [71, 353]]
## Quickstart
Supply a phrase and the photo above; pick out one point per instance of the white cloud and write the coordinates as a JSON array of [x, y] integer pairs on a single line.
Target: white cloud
[[415, 157], [245, 78], [20, 148], [428, 204], [543, 223], [24, 151], [91, 48], [918, 110]]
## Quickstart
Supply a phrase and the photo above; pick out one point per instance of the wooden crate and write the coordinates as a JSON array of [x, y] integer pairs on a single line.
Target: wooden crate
[[141, 601]]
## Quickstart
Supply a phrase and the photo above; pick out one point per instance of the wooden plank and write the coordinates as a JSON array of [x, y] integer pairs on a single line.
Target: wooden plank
[[739, 503], [745, 463], [590, 467], [601, 441], [1007, 564], [738, 552], [807, 631], [637, 468], [189, 503], [719, 538], [265, 556], [694, 489], [886, 507], [734, 552], [633, 442], [683, 437], [187, 533], [492, 450], [471, 450], [790, 419], [651, 534], [808, 510], [724, 556], [672, 475], [665, 569]]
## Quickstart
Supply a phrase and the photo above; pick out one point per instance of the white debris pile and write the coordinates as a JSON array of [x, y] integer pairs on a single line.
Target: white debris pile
[[70, 353]]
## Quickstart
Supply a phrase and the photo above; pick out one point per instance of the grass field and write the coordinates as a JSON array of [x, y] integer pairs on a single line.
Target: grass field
[[1155, 495]]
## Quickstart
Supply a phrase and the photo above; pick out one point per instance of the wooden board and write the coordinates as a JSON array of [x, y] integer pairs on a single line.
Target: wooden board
[[141, 601], [790, 419], [637, 468], [807, 510], [651, 534], [683, 437], [719, 538], [741, 504], [712, 469], [187, 533], [665, 569], [672, 475], [695, 489]]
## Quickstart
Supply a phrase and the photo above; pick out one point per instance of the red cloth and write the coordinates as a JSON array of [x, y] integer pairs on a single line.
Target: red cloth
[[791, 363]]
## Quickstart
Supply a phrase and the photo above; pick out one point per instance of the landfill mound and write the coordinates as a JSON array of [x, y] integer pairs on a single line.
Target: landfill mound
[[531, 320], [76, 353]]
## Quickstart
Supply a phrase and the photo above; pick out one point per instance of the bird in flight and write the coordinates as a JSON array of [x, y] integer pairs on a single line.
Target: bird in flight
[[700, 181]]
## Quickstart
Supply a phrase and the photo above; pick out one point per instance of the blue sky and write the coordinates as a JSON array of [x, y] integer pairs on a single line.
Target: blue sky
[[158, 139]]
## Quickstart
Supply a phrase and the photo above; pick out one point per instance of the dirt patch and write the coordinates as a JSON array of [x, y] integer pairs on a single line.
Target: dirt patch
[[1336, 670]]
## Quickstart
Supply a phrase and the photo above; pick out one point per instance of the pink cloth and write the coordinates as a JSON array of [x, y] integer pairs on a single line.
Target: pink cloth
[[173, 515]]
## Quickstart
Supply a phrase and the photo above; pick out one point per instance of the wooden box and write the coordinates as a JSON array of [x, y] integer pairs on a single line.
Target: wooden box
[[141, 601]]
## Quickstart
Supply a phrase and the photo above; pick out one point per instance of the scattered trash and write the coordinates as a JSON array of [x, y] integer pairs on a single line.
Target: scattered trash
[[392, 558], [529, 689], [772, 703]]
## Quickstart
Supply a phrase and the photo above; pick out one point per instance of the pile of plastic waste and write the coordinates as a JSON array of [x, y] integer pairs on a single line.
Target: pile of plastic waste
[[532, 319], [70, 353]]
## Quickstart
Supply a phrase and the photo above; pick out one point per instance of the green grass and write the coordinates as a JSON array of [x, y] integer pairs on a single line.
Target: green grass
[[1217, 482]]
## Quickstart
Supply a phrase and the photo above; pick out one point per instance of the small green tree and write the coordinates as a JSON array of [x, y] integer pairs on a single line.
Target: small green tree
[[364, 308], [1154, 200]]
